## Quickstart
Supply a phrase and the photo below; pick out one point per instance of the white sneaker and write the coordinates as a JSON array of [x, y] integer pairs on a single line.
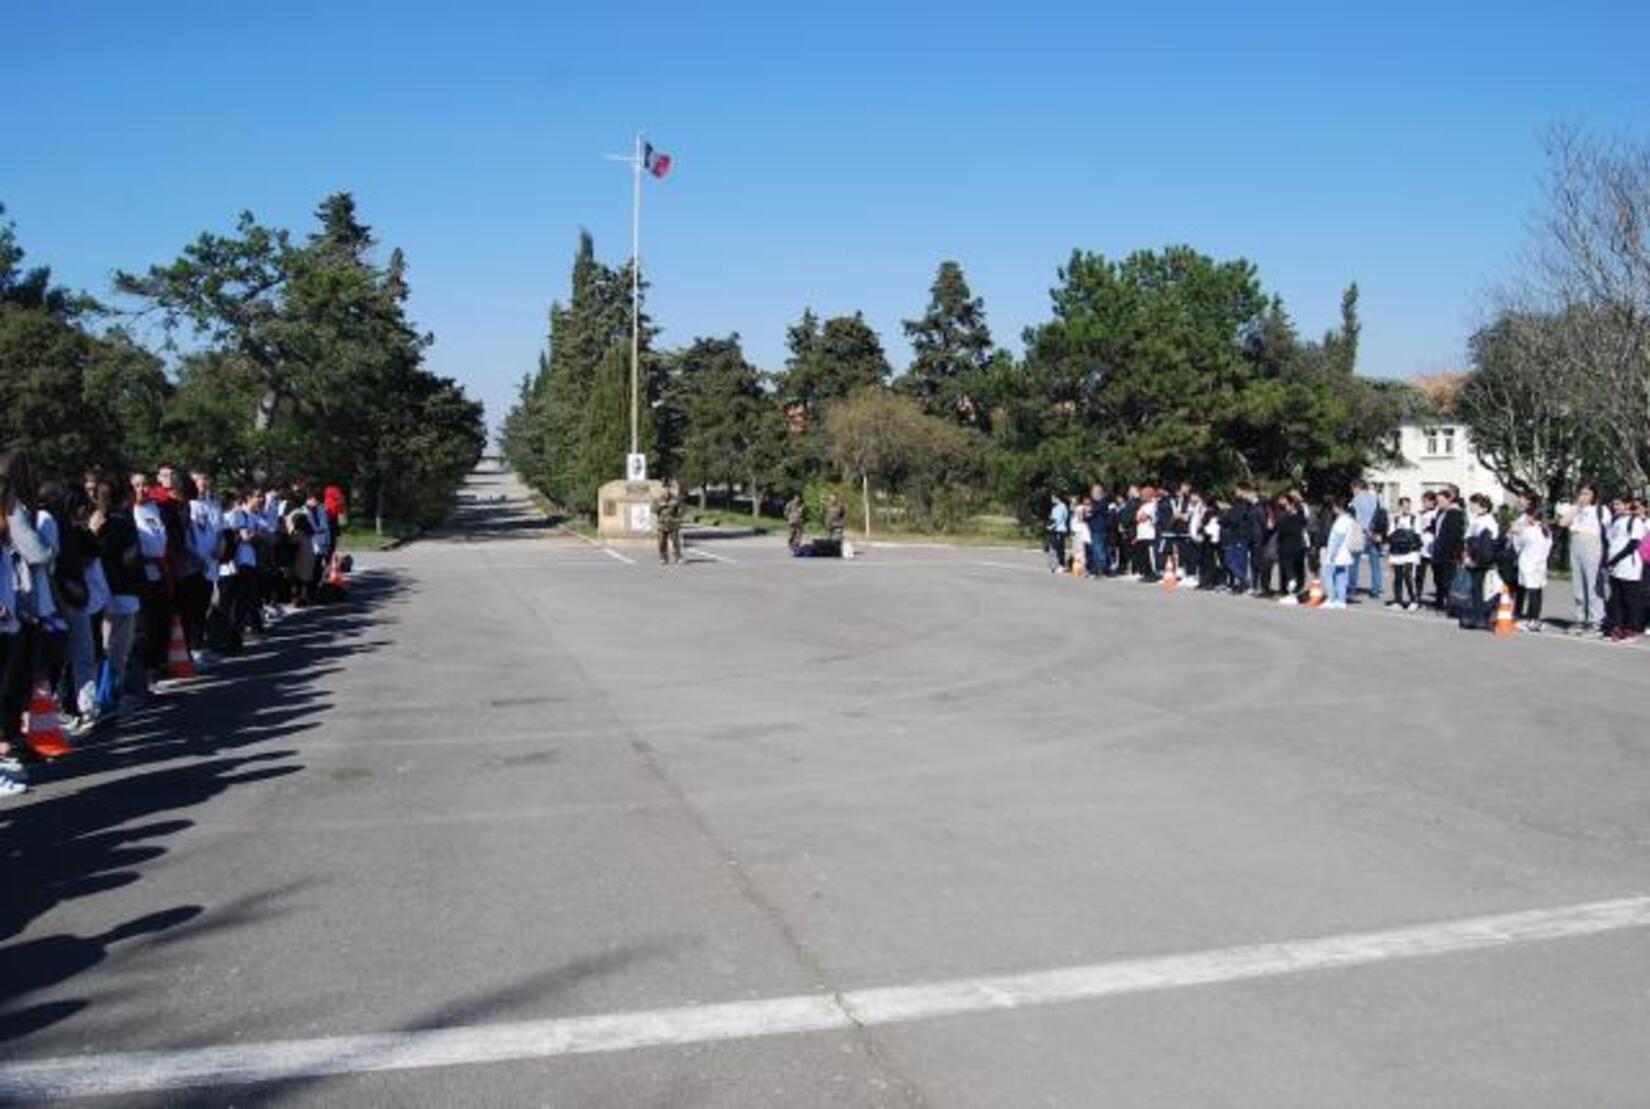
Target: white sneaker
[[1189, 579], [11, 786], [11, 765], [1336, 605], [1289, 599]]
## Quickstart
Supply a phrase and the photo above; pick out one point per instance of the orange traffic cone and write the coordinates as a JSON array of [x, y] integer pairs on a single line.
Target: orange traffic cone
[[1504, 613], [179, 665], [1314, 594], [42, 732], [335, 573], [1170, 578], [1077, 564]]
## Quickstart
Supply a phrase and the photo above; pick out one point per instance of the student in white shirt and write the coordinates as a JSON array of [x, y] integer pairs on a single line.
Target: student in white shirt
[[1534, 544], [1587, 521], [156, 599], [1337, 558], [1145, 535], [1404, 544], [1625, 608], [1481, 535]]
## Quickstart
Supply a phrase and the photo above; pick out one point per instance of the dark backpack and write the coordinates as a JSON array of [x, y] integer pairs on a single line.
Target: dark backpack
[[1379, 524], [1403, 541], [1482, 549]]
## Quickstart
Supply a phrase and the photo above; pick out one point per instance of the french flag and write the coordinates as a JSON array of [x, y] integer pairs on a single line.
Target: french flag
[[656, 162]]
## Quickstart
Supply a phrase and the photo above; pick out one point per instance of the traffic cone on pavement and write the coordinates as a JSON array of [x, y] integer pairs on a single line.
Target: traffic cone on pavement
[[335, 573], [42, 731], [1314, 594], [179, 665], [1170, 579], [1077, 564], [1504, 613]]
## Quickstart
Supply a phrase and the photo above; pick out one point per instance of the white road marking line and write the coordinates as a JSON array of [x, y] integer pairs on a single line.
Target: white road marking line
[[1011, 566], [712, 557], [240, 1064], [626, 559]]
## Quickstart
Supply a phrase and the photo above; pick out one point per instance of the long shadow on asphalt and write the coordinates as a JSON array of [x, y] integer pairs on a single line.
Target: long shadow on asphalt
[[64, 843], [511, 1002]]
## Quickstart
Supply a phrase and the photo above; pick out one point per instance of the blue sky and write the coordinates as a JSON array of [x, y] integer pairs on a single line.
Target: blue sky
[[827, 155]]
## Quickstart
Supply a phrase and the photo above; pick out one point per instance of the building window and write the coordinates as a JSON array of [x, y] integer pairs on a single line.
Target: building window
[[1440, 442]]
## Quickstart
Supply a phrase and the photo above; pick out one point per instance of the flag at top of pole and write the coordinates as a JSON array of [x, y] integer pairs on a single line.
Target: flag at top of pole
[[656, 162]]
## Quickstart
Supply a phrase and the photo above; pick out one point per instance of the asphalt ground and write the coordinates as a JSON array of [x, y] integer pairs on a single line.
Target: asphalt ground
[[398, 853]]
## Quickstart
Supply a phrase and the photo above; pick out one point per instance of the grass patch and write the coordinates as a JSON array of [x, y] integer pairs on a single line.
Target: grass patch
[[357, 538]]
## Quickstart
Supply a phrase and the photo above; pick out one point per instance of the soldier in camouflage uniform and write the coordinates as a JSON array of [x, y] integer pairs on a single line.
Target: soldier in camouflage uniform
[[796, 515], [667, 519], [836, 518]]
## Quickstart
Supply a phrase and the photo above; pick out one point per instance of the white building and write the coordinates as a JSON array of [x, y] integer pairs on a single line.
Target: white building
[[1434, 454]]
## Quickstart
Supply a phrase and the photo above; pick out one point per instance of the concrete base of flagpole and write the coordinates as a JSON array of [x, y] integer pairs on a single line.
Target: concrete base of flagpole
[[625, 510]]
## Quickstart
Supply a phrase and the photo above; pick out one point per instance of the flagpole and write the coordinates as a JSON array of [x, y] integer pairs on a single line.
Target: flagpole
[[635, 290]]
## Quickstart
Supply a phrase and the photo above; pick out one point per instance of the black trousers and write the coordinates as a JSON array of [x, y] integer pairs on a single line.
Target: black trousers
[[1143, 558], [1443, 571], [17, 670], [1528, 604], [194, 600], [1624, 608], [1293, 569], [1403, 584], [155, 605]]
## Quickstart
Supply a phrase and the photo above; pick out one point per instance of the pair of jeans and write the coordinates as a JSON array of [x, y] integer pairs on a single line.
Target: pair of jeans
[[1373, 553], [118, 632], [1587, 579], [1099, 556], [82, 659], [1339, 579], [1237, 563]]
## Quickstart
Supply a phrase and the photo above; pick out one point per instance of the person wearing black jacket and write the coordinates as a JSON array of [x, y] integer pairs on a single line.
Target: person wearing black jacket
[[1448, 543], [123, 569], [1234, 542], [1265, 547], [1127, 513], [1291, 517], [1100, 525]]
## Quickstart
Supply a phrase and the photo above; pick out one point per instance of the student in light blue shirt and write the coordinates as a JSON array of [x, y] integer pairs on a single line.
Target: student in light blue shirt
[[1364, 507], [1059, 524]]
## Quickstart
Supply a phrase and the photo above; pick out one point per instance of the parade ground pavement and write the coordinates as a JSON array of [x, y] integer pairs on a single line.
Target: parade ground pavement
[[529, 821]]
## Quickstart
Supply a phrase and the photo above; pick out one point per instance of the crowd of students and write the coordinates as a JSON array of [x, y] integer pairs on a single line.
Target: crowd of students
[[1461, 552], [106, 582]]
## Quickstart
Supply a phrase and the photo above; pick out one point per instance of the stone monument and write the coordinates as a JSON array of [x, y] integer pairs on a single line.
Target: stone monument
[[625, 509]]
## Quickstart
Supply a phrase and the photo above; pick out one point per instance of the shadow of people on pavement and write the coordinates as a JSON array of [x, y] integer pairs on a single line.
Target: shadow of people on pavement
[[99, 817]]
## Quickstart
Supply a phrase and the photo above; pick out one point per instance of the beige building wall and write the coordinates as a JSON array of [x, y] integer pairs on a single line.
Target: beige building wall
[[1435, 454]]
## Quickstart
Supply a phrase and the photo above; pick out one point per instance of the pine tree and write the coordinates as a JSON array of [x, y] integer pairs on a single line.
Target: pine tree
[[604, 429], [952, 345]]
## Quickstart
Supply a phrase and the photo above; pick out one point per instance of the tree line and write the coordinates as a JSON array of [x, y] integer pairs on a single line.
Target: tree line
[[1159, 365], [292, 359]]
